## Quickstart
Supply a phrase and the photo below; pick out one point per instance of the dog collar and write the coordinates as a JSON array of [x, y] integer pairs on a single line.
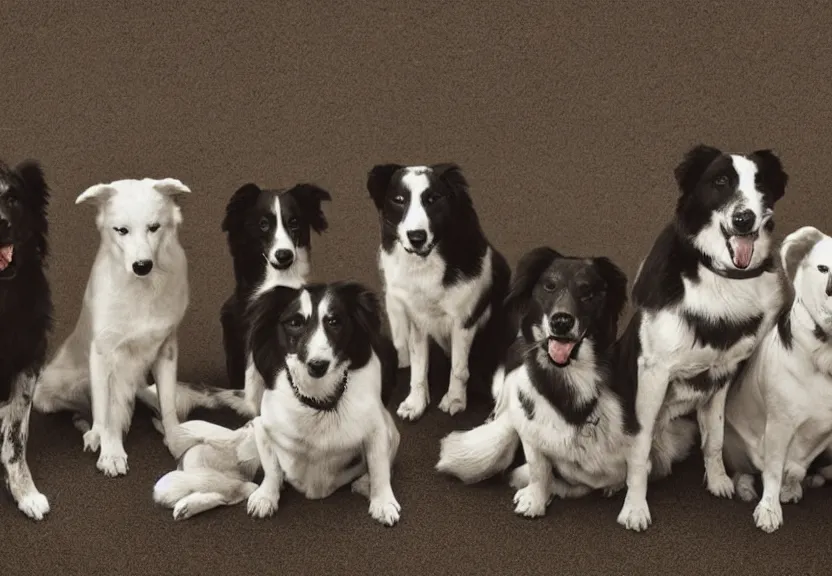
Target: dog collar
[[766, 266], [327, 404]]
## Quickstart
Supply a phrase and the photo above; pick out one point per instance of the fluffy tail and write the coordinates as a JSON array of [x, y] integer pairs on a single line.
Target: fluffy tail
[[176, 485], [190, 396], [480, 453], [672, 444]]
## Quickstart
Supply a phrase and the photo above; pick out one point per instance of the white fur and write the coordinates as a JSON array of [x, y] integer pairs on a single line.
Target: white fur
[[128, 324], [779, 414]]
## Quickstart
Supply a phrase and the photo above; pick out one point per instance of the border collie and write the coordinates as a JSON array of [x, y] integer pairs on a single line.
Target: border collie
[[323, 421], [442, 279], [779, 411], [269, 237], [706, 291], [556, 397], [25, 321], [135, 299]]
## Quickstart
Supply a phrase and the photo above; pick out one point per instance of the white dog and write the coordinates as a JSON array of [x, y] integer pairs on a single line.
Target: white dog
[[135, 299], [779, 413]]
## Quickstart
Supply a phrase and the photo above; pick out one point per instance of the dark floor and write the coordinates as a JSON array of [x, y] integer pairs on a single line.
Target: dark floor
[[568, 118]]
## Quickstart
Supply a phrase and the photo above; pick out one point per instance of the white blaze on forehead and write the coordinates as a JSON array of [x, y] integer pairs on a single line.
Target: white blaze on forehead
[[319, 347], [747, 186], [280, 236], [415, 180], [306, 304]]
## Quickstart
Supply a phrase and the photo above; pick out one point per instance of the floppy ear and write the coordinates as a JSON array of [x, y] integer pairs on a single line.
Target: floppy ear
[[795, 247], [378, 181], [309, 198], [529, 268], [693, 165], [171, 187], [364, 306], [95, 194], [263, 315], [771, 172], [245, 197]]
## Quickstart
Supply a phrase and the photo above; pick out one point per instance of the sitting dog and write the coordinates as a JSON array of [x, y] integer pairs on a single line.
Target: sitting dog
[[25, 321], [779, 412], [442, 279], [705, 293], [328, 371], [135, 299], [556, 397]]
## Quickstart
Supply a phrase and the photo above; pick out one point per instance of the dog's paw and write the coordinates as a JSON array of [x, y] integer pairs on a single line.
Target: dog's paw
[[261, 504], [361, 486], [180, 511], [768, 516], [720, 485], [745, 488], [636, 516], [791, 492], [528, 502], [92, 440], [403, 354], [113, 464], [34, 505], [453, 402], [413, 406], [385, 510]]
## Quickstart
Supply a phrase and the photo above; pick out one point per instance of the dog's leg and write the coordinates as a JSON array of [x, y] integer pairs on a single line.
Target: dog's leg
[[99, 398], [653, 380], [711, 418], [417, 400], [768, 515], [254, 388], [112, 459], [362, 484], [199, 502], [15, 435], [531, 501], [399, 328], [263, 501], [380, 451], [456, 399], [164, 373]]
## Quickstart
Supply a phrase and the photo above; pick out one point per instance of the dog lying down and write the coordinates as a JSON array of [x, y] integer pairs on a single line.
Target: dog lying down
[[779, 412], [324, 423]]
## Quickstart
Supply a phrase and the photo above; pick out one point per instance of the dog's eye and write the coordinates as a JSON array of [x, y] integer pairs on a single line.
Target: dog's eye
[[823, 269], [295, 321], [398, 199], [587, 296], [265, 224], [152, 228], [293, 223], [428, 200], [120, 231], [721, 181], [333, 321], [549, 286]]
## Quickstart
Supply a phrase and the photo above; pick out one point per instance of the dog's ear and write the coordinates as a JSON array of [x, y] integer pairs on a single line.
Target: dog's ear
[[364, 306], [378, 181], [36, 195], [263, 315], [171, 187], [96, 194], [242, 199], [616, 282], [529, 269], [795, 247], [693, 165], [451, 174], [309, 198], [771, 172]]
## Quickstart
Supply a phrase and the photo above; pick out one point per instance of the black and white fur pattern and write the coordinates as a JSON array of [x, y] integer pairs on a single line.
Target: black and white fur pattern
[[442, 279], [135, 299], [25, 321], [779, 411], [556, 397], [328, 372], [706, 291]]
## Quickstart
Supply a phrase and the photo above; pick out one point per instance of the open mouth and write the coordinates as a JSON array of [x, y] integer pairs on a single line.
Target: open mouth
[[6, 260], [560, 350], [741, 248]]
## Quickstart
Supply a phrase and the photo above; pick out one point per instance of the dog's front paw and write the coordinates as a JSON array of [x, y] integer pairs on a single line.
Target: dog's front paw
[[768, 515], [413, 406], [529, 503], [385, 510], [34, 505], [180, 511], [720, 485], [113, 464], [261, 504], [453, 402], [92, 440], [635, 516], [791, 492]]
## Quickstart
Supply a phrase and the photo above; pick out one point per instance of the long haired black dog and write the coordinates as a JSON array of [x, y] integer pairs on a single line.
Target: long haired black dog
[[25, 321]]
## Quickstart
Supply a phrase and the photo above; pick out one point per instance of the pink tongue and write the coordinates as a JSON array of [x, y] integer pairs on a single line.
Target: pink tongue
[[6, 254], [743, 247], [560, 351]]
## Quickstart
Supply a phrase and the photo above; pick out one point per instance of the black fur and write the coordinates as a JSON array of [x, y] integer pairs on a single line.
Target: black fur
[[527, 403], [248, 207], [723, 333]]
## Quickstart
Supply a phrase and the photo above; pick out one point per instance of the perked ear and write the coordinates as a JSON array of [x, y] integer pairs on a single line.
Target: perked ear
[[309, 198], [171, 187], [693, 165], [378, 181], [796, 246], [263, 315], [95, 194], [771, 172], [245, 197], [529, 269]]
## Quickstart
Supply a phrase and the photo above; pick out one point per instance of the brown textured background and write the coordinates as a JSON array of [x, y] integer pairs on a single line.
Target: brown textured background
[[568, 120]]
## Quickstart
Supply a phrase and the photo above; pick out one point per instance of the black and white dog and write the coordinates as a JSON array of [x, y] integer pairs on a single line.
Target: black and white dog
[[557, 396], [706, 291], [25, 321], [778, 416], [269, 236], [442, 279]]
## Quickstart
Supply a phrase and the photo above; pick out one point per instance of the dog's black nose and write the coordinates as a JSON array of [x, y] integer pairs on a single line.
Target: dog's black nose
[[417, 238], [142, 267], [284, 258], [743, 221], [561, 323], [317, 368]]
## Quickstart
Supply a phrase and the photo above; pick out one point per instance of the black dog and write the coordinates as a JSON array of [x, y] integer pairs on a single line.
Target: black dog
[[25, 320]]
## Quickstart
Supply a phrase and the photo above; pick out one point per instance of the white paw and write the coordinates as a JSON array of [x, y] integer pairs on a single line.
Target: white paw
[[404, 356], [34, 505], [720, 485], [114, 464], [745, 489], [528, 502], [791, 492], [361, 486], [768, 516], [261, 504], [180, 511], [635, 516], [413, 406], [453, 402], [385, 510], [92, 440]]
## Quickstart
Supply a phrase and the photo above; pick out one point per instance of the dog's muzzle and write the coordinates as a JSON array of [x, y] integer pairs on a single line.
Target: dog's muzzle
[[562, 338]]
